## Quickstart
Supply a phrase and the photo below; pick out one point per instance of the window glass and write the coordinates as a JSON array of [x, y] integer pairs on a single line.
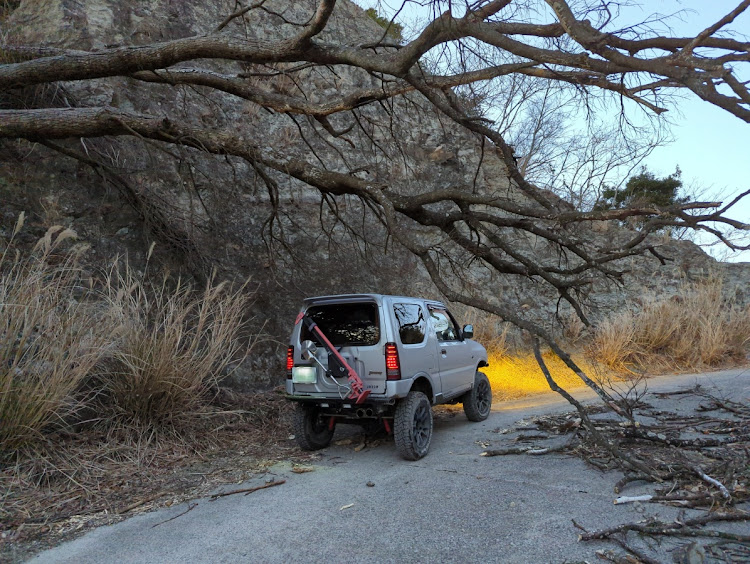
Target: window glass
[[345, 324], [412, 325], [443, 325]]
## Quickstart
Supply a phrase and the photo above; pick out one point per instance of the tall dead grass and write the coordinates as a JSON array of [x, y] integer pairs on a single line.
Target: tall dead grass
[[695, 328], [7, 7], [49, 340], [172, 346], [110, 351]]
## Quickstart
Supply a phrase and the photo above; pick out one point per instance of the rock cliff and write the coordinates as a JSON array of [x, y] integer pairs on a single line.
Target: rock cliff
[[217, 213]]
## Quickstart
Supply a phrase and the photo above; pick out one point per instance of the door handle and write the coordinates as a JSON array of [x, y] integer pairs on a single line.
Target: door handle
[[442, 351]]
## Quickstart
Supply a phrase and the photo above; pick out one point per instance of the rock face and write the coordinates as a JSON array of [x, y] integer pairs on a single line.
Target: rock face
[[217, 213]]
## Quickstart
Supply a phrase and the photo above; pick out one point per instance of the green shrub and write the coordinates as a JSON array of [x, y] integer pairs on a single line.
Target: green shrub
[[395, 31]]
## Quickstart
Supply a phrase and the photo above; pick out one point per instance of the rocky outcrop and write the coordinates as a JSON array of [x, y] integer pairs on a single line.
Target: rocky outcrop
[[208, 212]]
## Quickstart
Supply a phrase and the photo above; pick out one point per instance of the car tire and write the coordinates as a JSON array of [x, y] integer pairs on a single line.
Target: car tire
[[478, 401], [311, 428], [412, 426]]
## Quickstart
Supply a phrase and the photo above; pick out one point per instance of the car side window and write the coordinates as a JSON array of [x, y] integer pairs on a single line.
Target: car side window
[[445, 329], [412, 325]]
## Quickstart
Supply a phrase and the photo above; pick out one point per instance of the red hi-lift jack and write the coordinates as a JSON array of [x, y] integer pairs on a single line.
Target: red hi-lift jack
[[358, 392]]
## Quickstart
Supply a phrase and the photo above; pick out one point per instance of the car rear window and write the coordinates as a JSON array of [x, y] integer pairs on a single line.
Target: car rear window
[[345, 324]]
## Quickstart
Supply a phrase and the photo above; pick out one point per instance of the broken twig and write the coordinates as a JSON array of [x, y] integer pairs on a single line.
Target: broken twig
[[626, 499], [706, 478], [524, 450], [188, 510], [247, 491]]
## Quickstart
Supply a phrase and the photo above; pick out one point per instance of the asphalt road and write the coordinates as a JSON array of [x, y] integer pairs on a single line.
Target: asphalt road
[[452, 506]]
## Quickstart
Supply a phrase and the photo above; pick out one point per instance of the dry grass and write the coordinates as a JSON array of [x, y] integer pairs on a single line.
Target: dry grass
[[123, 355], [573, 329], [693, 329], [93, 478], [489, 330], [111, 394], [173, 346], [7, 7], [49, 341]]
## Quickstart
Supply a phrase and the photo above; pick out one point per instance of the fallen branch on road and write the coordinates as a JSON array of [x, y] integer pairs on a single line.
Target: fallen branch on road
[[533, 450], [685, 528], [713, 481], [693, 460], [188, 510], [247, 491], [632, 499]]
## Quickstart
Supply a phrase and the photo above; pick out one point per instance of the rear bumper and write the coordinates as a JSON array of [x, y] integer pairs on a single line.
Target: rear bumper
[[394, 389], [348, 411], [338, 402]]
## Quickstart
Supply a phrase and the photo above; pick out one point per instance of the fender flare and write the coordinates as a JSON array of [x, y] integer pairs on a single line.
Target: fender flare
[[424, 377]]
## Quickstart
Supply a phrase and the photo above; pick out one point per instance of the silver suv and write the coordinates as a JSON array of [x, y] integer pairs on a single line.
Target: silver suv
[[372, 359]]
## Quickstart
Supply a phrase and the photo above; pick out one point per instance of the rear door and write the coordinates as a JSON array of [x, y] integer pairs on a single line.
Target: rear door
[[354, 328], [454, 356]]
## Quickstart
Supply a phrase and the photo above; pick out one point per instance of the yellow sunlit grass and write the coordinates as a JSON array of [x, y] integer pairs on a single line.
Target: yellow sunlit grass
[[513, 377]]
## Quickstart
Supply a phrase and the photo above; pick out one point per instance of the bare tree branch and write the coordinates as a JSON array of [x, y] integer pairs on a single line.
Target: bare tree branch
[[302, 71]]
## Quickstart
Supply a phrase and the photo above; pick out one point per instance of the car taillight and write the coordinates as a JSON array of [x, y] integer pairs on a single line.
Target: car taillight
[[392, 365], [289, 361]]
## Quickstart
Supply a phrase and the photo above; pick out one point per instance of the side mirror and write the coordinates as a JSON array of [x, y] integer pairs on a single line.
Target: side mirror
[[468, 331], [308, 350]]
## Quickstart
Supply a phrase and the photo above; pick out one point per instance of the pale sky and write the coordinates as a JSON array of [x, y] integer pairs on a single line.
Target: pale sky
[[711, 146]]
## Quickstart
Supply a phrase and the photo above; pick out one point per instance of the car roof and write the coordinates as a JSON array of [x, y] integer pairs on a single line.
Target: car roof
[[366, 297]]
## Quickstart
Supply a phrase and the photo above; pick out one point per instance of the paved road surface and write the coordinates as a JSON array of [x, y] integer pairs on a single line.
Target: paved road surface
[[452, 506]]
